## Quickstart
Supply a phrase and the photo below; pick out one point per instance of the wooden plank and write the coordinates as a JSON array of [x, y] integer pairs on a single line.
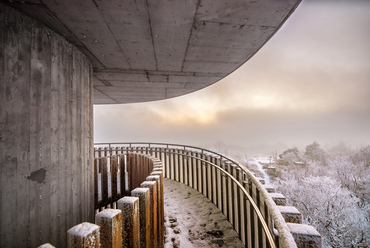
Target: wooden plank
[[96, 195], [104, 181], [122, 175], [114, 179]]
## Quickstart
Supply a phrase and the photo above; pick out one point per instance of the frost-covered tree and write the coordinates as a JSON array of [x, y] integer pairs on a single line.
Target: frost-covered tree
[[333, 210], [315, 153], [363, 156], [290, 156]]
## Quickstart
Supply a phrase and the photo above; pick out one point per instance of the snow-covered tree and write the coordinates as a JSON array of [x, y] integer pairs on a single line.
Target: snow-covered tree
[[315, 153], [290, 156], [333, 210]]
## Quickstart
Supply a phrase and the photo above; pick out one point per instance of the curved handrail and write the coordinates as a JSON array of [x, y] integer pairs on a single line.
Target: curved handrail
[[285, 237]]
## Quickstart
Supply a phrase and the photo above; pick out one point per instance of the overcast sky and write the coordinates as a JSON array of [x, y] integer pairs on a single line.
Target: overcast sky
[[310, 82]]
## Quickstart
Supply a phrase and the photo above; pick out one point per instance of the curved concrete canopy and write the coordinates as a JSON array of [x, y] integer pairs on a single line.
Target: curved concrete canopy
[[147, 50]]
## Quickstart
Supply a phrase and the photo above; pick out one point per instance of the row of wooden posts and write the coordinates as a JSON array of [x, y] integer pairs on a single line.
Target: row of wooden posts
[[133, 221]]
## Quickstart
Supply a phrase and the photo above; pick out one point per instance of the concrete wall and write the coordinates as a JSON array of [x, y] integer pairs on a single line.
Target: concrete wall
[[46, 134]]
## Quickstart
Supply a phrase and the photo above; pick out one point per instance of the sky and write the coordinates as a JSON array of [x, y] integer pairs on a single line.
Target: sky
[[310, 82]]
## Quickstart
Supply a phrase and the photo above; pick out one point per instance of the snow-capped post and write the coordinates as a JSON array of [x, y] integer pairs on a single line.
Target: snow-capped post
[[130, 221], [161, 196], [160, 217], [304, 235], [152, 185], [290, 214], [84, 235], [144, 215], [110, 222], [47, 245]]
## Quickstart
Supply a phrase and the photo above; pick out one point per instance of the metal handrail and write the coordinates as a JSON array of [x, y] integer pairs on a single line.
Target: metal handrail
[[285, 238]]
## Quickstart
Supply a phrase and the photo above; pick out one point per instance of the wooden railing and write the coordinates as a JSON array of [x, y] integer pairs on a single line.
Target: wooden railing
[[116, 174], [128, 203], [229, 185]]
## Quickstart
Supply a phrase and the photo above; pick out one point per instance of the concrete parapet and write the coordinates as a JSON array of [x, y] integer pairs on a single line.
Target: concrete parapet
[[261, 180], [305, 236], [144, 212], [290, 214], [110, 222], [269, 188], [84, 235], [152, 185], [130, 221], [278, 198]]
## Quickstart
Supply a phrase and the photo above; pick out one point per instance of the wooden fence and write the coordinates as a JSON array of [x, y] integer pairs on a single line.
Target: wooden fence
[[250, 206], [128, 203]]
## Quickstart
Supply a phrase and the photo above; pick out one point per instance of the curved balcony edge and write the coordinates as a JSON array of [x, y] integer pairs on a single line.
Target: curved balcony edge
[[176, 158]]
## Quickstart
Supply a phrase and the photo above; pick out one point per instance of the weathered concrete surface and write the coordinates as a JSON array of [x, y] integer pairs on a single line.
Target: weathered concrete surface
[[152, 50], [290, 214], [46, 134], [278, 198], [305, 236]]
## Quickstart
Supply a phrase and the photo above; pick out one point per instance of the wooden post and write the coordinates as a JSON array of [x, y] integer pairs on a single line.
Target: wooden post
[[144, 215], [83, 235], [152, 185], [110, 222], [161, 194], [160, 208], [47, 245], [130, 221]]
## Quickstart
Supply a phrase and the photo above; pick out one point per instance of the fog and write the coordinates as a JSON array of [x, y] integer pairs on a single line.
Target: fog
[[310, 82]]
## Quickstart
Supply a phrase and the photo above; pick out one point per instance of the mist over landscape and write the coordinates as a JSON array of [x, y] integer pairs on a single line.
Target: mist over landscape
[[310, 82]]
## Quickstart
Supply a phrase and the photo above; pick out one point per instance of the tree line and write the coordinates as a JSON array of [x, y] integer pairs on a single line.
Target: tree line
[[331, 188]]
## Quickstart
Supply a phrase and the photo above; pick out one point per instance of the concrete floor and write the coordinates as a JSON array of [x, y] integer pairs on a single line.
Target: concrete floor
[[192, 220]]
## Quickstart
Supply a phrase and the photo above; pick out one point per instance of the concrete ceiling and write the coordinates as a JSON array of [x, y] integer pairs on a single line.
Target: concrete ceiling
[[147, 50]]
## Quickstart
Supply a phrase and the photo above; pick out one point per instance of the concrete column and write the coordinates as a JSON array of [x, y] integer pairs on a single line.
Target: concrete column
[[144, 212], [46, 134], [130, 221], [110, 222], [152, 185], [84, 235]]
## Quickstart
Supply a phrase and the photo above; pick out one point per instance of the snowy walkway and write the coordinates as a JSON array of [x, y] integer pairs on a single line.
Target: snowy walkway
[[191, 220]]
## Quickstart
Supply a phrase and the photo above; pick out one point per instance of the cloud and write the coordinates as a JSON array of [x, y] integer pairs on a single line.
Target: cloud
[[309, 82]]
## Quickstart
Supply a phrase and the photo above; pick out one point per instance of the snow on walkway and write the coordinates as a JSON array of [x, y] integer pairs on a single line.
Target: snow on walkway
[[192, 220]]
